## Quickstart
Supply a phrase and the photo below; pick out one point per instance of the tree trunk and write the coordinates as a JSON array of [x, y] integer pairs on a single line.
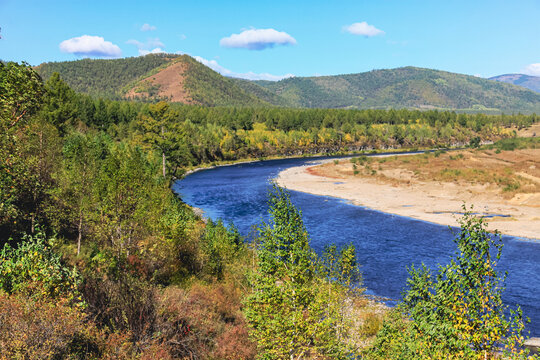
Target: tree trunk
[[163, 154], [164, 164], [80, 234]]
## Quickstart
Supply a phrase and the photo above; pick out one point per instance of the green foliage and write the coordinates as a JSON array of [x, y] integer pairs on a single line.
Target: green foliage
[[33, 269], [474, 142], [209, 88], [60, 106], [21, 90], [112, 78], [340, 265], [20, 96], [220, 246], [512, 144], [294, 312], [103, 77], [163, 131], [457, 313], [406, 87]]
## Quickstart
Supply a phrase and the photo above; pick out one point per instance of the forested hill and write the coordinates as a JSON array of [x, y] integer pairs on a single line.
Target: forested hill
[[527, 81], [177, 78], [407, 87], [180, 78], [103, 77]]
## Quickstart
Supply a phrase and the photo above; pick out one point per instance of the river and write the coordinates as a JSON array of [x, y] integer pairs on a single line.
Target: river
[[386, 244]]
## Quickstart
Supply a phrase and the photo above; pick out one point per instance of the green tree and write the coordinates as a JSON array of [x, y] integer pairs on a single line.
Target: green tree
[[220, 246], [294, 314], [21, 93], [60, 106], [74, 198], [457, 313], [21, 90], [161, 129]]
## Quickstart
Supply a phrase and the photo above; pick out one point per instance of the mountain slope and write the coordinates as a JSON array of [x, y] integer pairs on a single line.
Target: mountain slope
[[527, 81], [177, 78], [407, 87], [103, 77], [180, 78], [262, 93]]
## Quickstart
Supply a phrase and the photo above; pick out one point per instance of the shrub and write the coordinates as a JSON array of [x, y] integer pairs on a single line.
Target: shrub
[[120, 301], [296, 310], [204, 322], [33, 269], [458, 313], [41, 329]]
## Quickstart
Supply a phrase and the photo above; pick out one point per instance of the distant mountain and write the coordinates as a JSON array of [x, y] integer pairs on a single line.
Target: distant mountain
[[180, 78], [407, 87], [527, 81]]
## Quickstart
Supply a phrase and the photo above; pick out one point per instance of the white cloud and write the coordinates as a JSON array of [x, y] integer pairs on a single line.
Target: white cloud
[[148, 27], [213, 64], [532, 69], [87, 45], [364, 29], [151, 46], [143, 52], [257, 39]]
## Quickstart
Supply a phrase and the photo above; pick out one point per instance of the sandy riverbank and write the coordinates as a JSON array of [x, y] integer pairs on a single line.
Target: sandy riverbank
[[428, 201]]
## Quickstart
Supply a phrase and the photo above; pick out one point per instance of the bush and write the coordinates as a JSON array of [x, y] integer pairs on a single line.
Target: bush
[[474, 142], [41, 329], [33, 269], [296, 308], [120, 301], [220, 246], [204, 322], [457, 313]]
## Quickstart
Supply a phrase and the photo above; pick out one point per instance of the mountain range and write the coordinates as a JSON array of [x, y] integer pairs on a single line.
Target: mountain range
[[180, 78], [527, 81]]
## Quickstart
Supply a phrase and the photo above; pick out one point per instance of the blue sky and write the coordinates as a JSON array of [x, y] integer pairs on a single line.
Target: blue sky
[[272, 39]]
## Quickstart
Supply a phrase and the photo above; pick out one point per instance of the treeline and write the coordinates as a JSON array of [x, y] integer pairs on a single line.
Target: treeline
[[188, 135], [101, 260]]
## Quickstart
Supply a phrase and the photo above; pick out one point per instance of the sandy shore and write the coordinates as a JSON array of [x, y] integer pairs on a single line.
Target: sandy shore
[[433, 202]]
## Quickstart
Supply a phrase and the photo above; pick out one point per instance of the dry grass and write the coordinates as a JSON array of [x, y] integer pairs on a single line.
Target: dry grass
[[508, 172]]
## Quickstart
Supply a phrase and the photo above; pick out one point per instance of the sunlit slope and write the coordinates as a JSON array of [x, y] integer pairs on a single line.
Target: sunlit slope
[[180, 78], [177, 78], [407, 87]]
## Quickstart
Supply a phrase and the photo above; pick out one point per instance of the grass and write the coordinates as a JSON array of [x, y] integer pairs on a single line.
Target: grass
[[509, 171]]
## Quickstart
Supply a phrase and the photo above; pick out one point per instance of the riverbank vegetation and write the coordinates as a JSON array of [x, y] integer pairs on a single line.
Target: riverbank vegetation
[[101, 260]]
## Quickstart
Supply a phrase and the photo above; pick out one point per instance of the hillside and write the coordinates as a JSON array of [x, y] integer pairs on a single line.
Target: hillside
[[177, 78], [254, 87], [407, 87], [527, 81], [103, 77], [180, 78]]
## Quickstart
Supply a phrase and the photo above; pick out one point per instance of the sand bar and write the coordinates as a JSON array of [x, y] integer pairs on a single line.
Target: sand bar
[[433, 202]]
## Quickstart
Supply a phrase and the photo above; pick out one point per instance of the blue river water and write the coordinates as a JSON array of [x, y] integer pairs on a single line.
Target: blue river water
[[386, 244]]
